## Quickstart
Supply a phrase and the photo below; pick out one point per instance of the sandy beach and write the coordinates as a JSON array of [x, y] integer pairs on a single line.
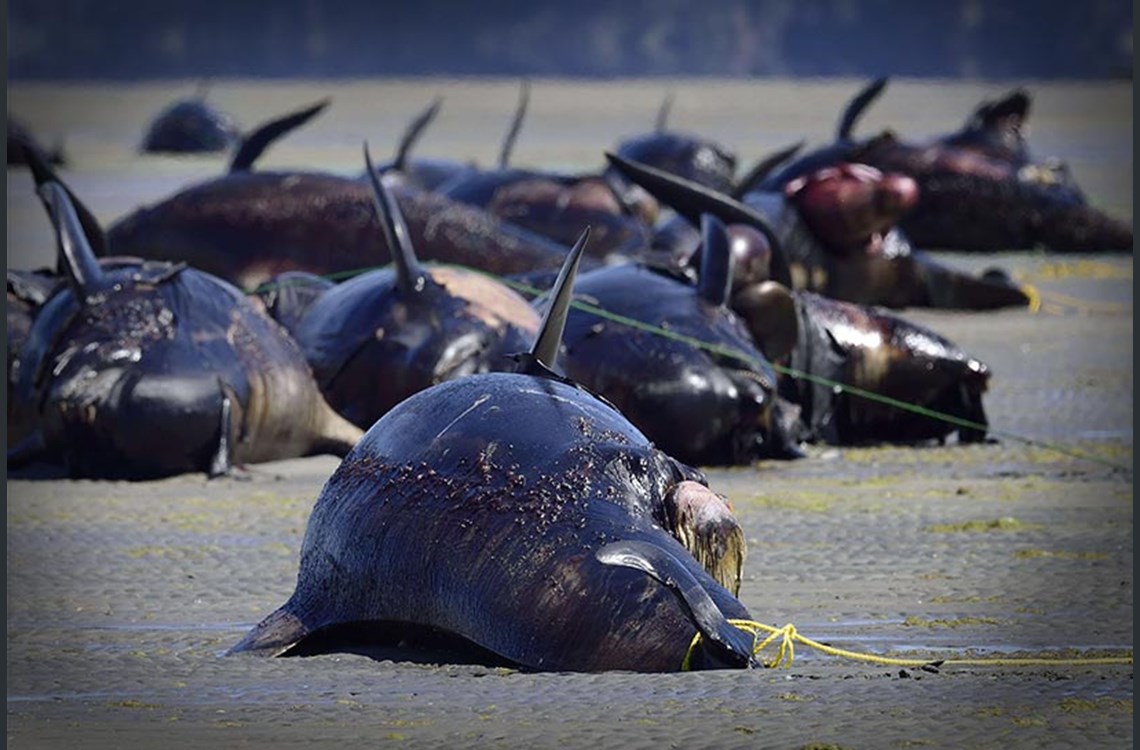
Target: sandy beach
[[123, 596]]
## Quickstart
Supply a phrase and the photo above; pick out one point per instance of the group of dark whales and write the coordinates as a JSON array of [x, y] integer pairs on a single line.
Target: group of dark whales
[[518, 474]]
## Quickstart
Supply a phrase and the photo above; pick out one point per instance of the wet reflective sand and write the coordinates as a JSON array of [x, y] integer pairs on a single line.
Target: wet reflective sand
[[121, 597]]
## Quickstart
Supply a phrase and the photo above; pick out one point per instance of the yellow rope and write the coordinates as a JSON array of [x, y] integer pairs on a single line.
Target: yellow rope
[[788, 637], [1090, 269], [1033, 295], [1058, 302]]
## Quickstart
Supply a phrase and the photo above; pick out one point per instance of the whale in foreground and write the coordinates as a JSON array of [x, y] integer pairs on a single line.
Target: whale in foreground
[[529, 519]]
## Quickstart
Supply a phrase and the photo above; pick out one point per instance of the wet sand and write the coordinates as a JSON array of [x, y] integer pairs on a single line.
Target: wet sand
[[122, 597]]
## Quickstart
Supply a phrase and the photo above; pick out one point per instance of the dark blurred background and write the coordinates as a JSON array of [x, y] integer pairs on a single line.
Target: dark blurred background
[[139, 39]]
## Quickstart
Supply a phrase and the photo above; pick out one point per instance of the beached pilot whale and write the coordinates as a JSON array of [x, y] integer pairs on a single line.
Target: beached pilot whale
[[865, 258], [191, 126], [141, 369], [875, 350], [248, 226], [694, 158], [979, 188], [379, 337], [525, 516], [711, 405], [839, 343], [557, 204]]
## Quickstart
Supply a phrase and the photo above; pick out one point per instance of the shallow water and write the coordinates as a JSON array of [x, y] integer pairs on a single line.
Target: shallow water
[[123, 596]]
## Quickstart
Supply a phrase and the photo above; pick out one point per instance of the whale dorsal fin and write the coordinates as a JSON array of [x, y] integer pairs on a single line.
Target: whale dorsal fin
[[690, 200], [663, 113], [516, 125], [854, 109], [763, 168], [543, 356], [415, 129], [990, 115], [659, 563], [254, 144], [715, 282], [42, 174], [410, 275], [77, 261]]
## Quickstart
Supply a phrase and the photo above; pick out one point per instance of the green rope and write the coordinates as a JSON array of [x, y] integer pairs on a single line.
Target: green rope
[[730, 353], [854, 390]]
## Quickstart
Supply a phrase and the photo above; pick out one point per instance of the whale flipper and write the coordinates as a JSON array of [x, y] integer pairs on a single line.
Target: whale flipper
[[665, 568]]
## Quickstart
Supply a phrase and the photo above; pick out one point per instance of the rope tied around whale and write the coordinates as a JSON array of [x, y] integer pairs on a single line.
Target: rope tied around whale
[[724, 351], [788, 636]]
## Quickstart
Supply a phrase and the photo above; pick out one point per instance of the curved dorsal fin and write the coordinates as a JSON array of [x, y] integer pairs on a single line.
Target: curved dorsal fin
[[412, 134], [657, 562], [690, 200], [410, 275], [989, 114], [42, 174], [76, 260], [855, 107], [715, 282], [763, 168], [516, 125], [549, 339], [663, 113], [254, 144]]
